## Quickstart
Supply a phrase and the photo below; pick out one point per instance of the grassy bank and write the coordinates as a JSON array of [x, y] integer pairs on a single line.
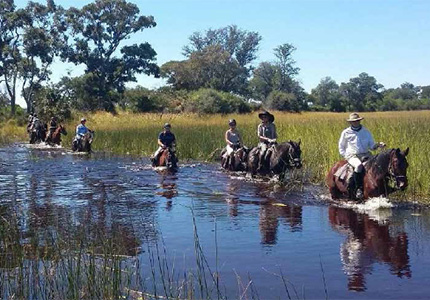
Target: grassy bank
[[199, 136], [10, 132]]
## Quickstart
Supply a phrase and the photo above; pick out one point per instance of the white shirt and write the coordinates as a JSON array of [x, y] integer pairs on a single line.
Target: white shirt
[[353, 142]]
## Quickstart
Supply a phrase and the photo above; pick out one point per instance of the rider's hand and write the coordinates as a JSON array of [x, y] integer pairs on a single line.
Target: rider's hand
[[272, 141], [381, 145], [164, 146]]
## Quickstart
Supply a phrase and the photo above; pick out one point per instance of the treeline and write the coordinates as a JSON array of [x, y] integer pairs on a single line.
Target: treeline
[[217, 74]]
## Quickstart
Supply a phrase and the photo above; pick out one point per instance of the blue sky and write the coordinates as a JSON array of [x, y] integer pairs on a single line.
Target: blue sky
[[388, 39]]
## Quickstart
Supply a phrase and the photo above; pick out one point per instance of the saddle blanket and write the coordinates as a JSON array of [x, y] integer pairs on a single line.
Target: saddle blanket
[[345, 172]]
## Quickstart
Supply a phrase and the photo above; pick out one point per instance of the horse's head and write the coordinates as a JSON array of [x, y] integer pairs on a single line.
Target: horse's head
[[294, 154], [397, 167]]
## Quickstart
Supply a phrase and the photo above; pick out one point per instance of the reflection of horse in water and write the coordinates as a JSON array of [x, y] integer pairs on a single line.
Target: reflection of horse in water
[[379, 170], [84, 143], [56, 135], [167, 158], [280, 157], [269, 219], [367, 243]]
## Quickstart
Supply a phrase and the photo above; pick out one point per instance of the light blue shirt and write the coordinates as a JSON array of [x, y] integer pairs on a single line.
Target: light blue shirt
[[81, 130]]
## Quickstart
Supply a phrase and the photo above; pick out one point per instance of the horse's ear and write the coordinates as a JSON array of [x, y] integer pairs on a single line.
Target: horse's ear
[[300, 141], [406, 151]]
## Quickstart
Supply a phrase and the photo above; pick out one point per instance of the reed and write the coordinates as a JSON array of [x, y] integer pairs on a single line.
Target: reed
[[198, 137]]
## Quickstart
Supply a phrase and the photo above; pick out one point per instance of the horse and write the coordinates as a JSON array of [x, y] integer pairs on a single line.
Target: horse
[[386, 166], [236, 161], [167, 158], [281, 157], [84, 144], [38, 133], [56, 135]]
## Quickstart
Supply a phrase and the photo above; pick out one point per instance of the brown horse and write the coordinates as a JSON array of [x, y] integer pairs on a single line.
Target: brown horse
[[167, 158], [281, 158], [56, 135], [389, 165], [236, 161]]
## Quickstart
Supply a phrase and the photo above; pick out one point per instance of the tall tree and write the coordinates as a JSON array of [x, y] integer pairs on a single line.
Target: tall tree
[[98, 29], [41, 42], [286, 66], [362, 92], [218, 58], [12, 22]]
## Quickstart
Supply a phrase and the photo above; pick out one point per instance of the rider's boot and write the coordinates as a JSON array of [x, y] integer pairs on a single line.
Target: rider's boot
[[358, 180]]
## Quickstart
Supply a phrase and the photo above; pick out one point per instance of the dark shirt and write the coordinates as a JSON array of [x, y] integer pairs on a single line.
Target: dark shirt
[[53, 125], [167, 138]]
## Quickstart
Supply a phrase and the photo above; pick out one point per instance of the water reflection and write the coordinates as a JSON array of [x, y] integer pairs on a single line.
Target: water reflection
[[271, 212], [367, 243]]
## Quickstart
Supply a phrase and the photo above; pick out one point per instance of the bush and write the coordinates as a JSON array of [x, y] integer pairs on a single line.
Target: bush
[[210, 101], [278, 100]]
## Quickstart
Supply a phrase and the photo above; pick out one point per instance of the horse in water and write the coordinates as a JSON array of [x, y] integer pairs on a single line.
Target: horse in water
[[84, 143], [38, 133], [236, 161], [281, 157], [389, 165], [167, 158], [56, 135]]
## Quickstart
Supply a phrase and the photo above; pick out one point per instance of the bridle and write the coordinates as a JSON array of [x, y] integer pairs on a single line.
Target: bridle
[[393, 176]]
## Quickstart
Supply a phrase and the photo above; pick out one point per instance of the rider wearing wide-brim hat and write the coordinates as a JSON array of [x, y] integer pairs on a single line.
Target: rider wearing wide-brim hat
[[267, 135], [355, 144]]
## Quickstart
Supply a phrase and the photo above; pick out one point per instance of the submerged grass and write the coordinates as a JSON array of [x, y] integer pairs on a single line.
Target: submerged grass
[[199, 137]]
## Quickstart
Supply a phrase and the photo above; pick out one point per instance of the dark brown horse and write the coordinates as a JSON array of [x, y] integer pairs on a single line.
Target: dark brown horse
[[281, 158], [236, 161], [167, 158], [38, 133], [56, 135], [84, 144], [389, 165]]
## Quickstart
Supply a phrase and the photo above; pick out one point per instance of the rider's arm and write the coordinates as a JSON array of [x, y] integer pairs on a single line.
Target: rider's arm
[[260, 132], [342, 144], [371, 142], [226, 139]]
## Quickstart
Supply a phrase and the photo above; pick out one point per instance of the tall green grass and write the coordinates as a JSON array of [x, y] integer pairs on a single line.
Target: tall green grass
[[198, 137], [10, 132]]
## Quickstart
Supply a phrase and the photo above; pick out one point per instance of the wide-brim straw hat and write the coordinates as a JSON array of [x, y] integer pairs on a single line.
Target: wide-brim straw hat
[[269, 115], [354, 117]]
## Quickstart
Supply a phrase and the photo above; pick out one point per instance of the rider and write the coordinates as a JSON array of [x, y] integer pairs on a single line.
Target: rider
[[52, 128], [165, 139], [354, 145], [35, 123], [267, 136], [81, 130], [232, 138], [30, 122]]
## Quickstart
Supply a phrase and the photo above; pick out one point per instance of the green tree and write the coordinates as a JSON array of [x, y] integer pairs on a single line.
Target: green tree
[[12, 22], [327, 95], [219, 59], [98, 29], [362, 93], [41, 42], [286, 67]]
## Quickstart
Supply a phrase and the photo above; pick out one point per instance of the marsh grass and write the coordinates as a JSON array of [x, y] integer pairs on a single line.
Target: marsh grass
[[10, 132], [199, 138]]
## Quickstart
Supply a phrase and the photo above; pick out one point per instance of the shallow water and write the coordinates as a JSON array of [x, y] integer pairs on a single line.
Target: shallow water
[[246, 229]]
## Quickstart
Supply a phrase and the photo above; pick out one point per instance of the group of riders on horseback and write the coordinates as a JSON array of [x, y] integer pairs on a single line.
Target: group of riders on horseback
[[358, 176], [38, 132]]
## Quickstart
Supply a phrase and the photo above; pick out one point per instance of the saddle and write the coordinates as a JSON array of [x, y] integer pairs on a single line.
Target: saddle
[[345, 172]]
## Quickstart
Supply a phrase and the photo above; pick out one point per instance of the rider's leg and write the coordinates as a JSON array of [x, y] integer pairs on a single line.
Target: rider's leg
[[261, 161], [355, 162], [156, 155]]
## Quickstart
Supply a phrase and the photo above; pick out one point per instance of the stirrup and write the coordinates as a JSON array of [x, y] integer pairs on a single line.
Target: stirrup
[[359, 194]]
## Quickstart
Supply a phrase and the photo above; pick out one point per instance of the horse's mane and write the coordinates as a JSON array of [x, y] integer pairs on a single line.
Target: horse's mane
[[379, 160]]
